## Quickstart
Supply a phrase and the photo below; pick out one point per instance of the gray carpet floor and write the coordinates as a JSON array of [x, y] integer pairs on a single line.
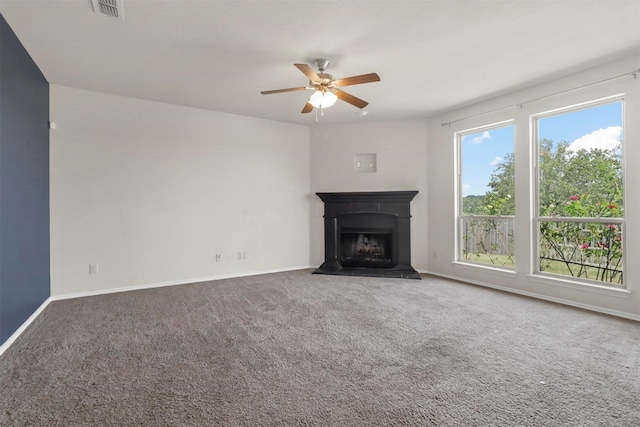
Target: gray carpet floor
[[296, 349]]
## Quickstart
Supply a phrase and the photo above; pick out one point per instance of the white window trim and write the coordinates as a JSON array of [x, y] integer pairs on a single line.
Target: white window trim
[[458, 135], [566, 281]]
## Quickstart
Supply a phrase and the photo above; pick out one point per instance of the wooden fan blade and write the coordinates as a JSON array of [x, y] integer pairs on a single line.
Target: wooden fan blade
[[351, 99], [307, 108], [356, 80], [308, 71], [291, 89]]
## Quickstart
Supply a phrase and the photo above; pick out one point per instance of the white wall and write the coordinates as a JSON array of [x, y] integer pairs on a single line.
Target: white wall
[[442, 194], [401, 152], [151, 192]]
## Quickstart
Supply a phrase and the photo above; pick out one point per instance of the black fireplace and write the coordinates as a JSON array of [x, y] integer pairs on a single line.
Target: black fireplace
[[368, 234]]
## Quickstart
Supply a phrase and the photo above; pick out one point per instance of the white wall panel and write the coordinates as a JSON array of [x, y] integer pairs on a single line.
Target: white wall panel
[[151, 192]]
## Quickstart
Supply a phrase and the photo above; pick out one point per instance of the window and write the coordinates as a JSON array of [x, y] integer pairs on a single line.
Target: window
[[579, 220], [486, 185]]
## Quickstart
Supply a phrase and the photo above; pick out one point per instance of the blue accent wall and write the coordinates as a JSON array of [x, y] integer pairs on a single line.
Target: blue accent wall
[[24, 184]]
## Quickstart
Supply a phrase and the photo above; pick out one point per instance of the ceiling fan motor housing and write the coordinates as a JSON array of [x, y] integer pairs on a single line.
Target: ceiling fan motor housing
[[322, 64]]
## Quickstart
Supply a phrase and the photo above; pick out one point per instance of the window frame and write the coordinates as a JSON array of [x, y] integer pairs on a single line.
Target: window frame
[[460, 216], [536, 218]]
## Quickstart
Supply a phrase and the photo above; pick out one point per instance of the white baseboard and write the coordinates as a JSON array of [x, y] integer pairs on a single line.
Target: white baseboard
[[173, 283], [617, 313], [5, 345]]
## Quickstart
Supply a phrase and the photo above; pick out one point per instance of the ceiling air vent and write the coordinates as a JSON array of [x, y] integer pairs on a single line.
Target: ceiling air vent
[[111, 8]]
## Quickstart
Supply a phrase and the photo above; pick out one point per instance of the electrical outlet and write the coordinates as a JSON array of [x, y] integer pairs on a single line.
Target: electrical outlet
[[93, 268], [242, 256], [218, 257]]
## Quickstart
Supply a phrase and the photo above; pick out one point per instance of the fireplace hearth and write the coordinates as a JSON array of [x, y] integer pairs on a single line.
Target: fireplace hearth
[[368, 234]]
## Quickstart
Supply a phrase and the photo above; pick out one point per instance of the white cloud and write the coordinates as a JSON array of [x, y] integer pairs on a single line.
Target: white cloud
[[496, 161], [603, 139], [465, 189], [480, 139]]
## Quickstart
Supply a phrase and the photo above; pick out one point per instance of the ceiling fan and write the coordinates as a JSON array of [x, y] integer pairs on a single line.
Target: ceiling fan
[[327, 89]]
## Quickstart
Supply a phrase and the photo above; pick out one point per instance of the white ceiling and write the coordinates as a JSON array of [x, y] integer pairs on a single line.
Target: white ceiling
[[431, 56]]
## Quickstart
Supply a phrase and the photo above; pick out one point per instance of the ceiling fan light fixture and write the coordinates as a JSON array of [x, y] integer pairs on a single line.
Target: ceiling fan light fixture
[[327, 90], [321, 99]]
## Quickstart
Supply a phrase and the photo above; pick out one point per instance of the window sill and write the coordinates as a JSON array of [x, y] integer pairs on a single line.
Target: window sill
[[579, 286], [502, 271], [546, 280]]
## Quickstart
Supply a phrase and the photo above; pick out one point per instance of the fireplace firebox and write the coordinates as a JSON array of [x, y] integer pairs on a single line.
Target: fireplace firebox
[[368, 234], [366, 248]]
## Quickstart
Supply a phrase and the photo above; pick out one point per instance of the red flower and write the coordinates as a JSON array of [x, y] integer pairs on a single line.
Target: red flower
[[612, 227], [612, 206], [574, 198], [585, 246]]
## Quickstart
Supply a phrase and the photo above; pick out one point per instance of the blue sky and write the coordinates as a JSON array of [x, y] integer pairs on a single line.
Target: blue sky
[[597, 127]]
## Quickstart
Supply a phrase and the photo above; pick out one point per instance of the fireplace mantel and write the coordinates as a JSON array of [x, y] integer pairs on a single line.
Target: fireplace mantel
[[371, 214], [369, 196]]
